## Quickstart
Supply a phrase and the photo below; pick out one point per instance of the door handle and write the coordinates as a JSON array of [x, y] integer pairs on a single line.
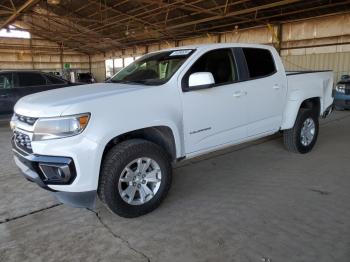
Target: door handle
[[237, 94], [4, 96], [276, 87], [240, 93]]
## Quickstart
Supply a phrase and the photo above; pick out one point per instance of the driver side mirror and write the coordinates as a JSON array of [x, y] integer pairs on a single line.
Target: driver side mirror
[[201, 80]]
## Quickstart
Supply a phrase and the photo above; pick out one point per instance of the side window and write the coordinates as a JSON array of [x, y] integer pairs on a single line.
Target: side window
[[31, 79], [55, 80], [6, 81], [218, 62], [260, 62]]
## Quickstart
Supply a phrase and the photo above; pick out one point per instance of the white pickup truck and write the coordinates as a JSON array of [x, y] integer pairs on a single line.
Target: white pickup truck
[[118, 139]]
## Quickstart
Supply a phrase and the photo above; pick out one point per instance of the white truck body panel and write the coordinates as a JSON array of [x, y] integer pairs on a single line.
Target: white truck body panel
[[304, 86], [201, 121]]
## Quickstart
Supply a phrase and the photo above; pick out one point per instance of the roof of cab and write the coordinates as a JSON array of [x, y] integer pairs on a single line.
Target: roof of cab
[[20, 70], [215, 46]]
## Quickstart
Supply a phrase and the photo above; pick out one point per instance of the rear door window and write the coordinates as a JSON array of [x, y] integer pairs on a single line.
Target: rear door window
[[55, 80], [31, 79], [260, 62], [6, 81]]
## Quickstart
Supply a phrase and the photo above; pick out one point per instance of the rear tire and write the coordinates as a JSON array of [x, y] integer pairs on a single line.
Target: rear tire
[[303, 136], [126, 185]]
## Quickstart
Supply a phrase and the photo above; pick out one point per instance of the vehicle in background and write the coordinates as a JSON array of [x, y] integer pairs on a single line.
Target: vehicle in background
[[87, 78], [342, 93], [119, 139], [58, 74], [16, 84]]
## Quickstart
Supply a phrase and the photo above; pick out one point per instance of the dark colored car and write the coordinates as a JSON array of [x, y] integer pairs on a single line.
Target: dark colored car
[[87, 78], [16, 84], [342, 93]]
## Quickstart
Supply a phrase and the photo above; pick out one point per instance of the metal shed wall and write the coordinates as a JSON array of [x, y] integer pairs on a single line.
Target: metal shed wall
[[313, 44], [38, 54]]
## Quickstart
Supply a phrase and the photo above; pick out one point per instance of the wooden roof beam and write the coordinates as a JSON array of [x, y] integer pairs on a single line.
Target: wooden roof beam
[[18, 12], [131, 17], [235, 13]]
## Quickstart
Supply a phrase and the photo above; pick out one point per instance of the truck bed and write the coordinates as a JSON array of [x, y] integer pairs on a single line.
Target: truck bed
[[311, 84], [289, 73]]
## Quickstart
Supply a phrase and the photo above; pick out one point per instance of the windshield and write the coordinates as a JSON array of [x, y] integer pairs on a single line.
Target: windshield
[[153, 69]]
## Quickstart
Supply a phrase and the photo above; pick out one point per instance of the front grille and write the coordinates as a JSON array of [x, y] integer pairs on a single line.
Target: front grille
[[22, 141], [26, 119]]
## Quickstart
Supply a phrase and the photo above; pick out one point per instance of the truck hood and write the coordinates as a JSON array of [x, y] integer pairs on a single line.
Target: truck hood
[[54, 102]]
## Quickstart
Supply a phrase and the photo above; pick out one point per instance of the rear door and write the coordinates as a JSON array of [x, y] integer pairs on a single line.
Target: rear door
[[266, 91], [30, 82], [34, 82], [8, 94], [55, 82]]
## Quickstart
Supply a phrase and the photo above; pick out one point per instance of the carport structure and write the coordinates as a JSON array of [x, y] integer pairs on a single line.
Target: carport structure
[[253, 202], [95, 26], [104, 36]]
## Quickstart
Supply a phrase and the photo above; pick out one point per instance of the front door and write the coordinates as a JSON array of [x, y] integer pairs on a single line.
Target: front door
[[214, 116]]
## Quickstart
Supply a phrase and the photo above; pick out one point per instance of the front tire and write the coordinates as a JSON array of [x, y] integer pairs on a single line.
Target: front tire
[[135, 177], [303, 136]]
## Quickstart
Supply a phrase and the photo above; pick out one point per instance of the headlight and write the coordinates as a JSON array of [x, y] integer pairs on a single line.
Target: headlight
[[340, 88], [52, 128], [13, 122]]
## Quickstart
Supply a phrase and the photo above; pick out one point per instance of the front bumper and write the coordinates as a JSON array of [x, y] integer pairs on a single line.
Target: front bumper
[[342, 103], [29, 165], [342, 100]]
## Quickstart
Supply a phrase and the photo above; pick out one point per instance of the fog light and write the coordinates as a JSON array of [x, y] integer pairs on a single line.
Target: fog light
[[55, 173]]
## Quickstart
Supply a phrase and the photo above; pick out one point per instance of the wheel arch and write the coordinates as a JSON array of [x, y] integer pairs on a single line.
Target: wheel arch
[[162, 136], [293, 107]]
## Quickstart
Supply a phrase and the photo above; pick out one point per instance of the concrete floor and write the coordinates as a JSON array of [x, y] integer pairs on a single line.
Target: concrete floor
[[254, 202]]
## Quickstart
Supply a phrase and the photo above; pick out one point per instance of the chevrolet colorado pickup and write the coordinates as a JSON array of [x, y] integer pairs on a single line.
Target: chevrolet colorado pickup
[[119, 139]]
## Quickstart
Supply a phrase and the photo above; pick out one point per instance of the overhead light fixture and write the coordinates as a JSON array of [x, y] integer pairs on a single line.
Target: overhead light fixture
[[53, 2]]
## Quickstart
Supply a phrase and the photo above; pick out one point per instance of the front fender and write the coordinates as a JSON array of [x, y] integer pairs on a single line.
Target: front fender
[[103, 141]]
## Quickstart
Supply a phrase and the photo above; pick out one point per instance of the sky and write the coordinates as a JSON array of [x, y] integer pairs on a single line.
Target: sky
[[14, 33]]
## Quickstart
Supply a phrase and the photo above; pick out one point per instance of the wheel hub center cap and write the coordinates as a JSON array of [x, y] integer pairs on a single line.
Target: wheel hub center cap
[[139, 181], [308, 132]]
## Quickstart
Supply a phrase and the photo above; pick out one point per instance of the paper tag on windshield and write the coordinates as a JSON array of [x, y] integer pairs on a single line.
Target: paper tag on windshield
[[180, 52]]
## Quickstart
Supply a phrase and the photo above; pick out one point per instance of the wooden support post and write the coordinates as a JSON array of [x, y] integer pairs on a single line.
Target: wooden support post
[[123, 57], [219, 38], [113, 66], [31, 52], [279, 37], [61, 57]]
